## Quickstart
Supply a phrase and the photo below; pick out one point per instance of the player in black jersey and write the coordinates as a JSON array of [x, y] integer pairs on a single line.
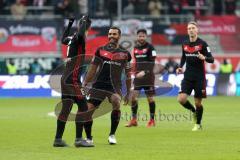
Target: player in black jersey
[[70, 81], [195, 52], [107, 67], [144, 55]]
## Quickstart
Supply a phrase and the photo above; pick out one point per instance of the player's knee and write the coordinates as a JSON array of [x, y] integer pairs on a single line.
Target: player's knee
[[115, 103], [150, 99], [181, 100], [198, 104], [90, 106]]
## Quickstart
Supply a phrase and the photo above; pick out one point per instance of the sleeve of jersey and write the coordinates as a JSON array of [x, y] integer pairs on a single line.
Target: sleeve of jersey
[[209, 58], [128, 66], [96, 59], [153, 53], [65, 37], [183, 59]]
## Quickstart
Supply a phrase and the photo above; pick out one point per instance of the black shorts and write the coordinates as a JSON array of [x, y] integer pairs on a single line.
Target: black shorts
[[98, 93], [149, 90], [74, 92], [199, 87]]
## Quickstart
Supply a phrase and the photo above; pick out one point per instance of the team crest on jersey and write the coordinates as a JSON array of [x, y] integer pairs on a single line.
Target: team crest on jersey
[[145, 50], [197, 48]]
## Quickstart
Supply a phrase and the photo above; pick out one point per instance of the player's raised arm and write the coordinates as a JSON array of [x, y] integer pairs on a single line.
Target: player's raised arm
[[92, 69], [83, 26], [65, 37]]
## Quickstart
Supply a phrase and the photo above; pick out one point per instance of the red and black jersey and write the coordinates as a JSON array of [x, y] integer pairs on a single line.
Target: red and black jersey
[[75, 53], [144, 53], [111, 64], [195, 68], [144, 61]]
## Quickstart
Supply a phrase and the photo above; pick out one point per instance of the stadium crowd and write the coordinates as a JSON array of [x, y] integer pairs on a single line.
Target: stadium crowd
[[130, 7]]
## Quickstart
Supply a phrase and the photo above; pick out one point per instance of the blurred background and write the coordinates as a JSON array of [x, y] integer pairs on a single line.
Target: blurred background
[[30, 33]]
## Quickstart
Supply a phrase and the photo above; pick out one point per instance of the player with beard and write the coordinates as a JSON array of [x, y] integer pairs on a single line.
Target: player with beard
[[144, 55], [107, 66], [195, 52]]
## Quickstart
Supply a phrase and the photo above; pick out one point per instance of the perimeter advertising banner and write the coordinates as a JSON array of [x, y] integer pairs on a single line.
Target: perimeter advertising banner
[[38, 85]]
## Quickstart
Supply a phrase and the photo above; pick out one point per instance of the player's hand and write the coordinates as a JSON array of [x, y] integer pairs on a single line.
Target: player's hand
[[84, 84], [179, 70], [140, 74], [201, 56], [71, 19]]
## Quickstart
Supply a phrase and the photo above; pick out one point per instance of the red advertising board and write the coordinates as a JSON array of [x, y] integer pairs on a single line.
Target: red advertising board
[[218, 24], [28, 36]]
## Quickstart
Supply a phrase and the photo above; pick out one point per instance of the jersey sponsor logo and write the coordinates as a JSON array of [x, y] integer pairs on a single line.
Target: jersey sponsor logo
[[112, 62], [191, 55], [193, 49], [141, 56], [140, 51]]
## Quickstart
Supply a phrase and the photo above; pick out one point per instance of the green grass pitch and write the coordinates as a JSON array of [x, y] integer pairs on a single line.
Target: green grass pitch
[[27, 132]]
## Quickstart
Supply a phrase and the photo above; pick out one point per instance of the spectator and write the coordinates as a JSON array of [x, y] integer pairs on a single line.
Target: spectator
[[2, 5], [18, 10], [141, 7], [174, 7], [197, 4], [12, 69], [66, 8], [217, 7], [154, 8], [35, 68], [3, 67], [226, 67], [112, 7], [92, 6], [129, 9], [83, 6], [39, 3], [171, 65], [57, 63], [230, 6]]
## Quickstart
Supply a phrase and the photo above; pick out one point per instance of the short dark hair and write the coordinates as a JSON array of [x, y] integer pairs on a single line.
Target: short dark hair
[[142, 30], [119, 30]]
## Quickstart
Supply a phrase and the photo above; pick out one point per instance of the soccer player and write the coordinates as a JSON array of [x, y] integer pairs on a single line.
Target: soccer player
[[108, 64], [195, 52], [144, 54], [70, 81]]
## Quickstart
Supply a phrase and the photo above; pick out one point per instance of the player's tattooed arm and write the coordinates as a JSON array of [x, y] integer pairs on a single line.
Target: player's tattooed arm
[[90, 74]]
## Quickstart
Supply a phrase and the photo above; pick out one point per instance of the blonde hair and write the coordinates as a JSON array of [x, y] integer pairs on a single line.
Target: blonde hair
[[193, 22]]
